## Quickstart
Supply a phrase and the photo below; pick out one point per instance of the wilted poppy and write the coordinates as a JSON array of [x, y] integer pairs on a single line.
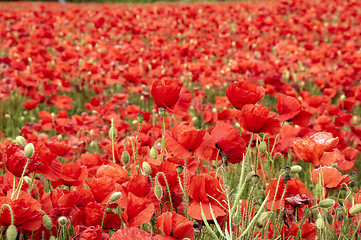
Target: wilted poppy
[[257, 119], [243, 92]]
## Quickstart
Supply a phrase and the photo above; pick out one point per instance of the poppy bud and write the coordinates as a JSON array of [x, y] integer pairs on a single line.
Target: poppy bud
[[262, 218], [158, 192], [146, 168], [52, 238], [319, 222], [224, 157], [262, 147], [255, 179], [140, 117], [153, 153], [60, 137], [47, 222], [91, 132], [296, 169], [27, 179], [329, 218], [161, 111], [115, 196], [125, 157], [353, 176], [326, 203], [29, 150], [112, 133], [318, 190], [339, 209], [355, 209], [179, 169], [62, 221], [20, 141], [249, 176], [11, 232]]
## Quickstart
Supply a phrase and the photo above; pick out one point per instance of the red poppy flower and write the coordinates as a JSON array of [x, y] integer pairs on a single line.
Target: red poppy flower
[[42, 161], [350, 155], [243, 92], [257, 119], [138, 211], [61, 102], [175, 225], [294, 187], [90, 233], [330, 177], [199, 190], [229, 142], [169, 94], [290, 109], [131, 233], [72, 174]]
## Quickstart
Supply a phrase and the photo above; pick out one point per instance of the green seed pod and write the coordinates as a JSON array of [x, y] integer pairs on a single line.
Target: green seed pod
[[296, 169], [355, 209], [262, 147], [249, 176], [153, 153], [11, 233], [319, 222], [112, 133], [161, 111], [20, 140], [326, 203], [125, 157], [47, 222], [29, 150], [256, 206], [339, 209], [62, 221], [52, 238], [158, 192], [115, 196], [140, 117], [179, 169], [329, 218], [255, 179], [146, 168]]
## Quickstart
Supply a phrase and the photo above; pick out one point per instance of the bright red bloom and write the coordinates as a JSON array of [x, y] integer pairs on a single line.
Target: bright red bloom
[[243, 92], [42, 161], [330, 177], [175, 225], [290, 109], [294, 187], [138, 211], [311, 149], [257, 119], [229, 142], [165, 92], [199, 190], [131, 233], [72, 174], [90, 233]]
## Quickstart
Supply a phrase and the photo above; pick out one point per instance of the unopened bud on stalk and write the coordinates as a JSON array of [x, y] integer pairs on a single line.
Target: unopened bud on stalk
[[153, 153], [262, 147], [319, 222], [27, 179], [339, 209], [334, 165], [62, 221], [20, 140], [125, 157], [11, 232], [355, 209], [158, 192], [262, 218], [112, 133], [47, 222], [140, 117], [179, 169], [146, 168], [91, 132], [29, 150], [161, 111], [224, 157], [115, 196], [256, 206], [296, 169], [52, 238], [326, 203], [249, 176], [329, 218]]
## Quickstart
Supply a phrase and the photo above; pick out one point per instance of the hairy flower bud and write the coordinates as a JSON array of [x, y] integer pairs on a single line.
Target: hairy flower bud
[[326, 203], [62, 221], [319, 222], [146, 168], [262, 218], [355, 209], [296, 169], [125, 157], [153, 153], [47, 222], [262, 147], [115, 196], [20, 140], [29, 150], [112, 133], [158, 192], [11, 233]]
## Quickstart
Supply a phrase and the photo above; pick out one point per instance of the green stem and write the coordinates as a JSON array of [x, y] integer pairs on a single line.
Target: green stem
[[21, 181], [105, 212], [163, 138], [185, 188], [31, 183], [167, 186], [135, 145], [11, 212]]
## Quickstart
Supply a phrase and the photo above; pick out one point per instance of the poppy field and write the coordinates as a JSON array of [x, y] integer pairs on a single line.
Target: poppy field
[[232, 120]]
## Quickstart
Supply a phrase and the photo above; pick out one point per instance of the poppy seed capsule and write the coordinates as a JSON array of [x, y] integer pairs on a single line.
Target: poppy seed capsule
[[62, 221], [257, 206], [140, 117], [125, 157], [339, 209], [47, 222], [262, 218], [355, 209], [112, 133], [29, 150], [179, 169], [11, 232], [115, 196], [296, 169], [153, 153], [262, 147], [20, 141], [326, 203], [158, 192], [161, 111], [249, 176], [146, 168]]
